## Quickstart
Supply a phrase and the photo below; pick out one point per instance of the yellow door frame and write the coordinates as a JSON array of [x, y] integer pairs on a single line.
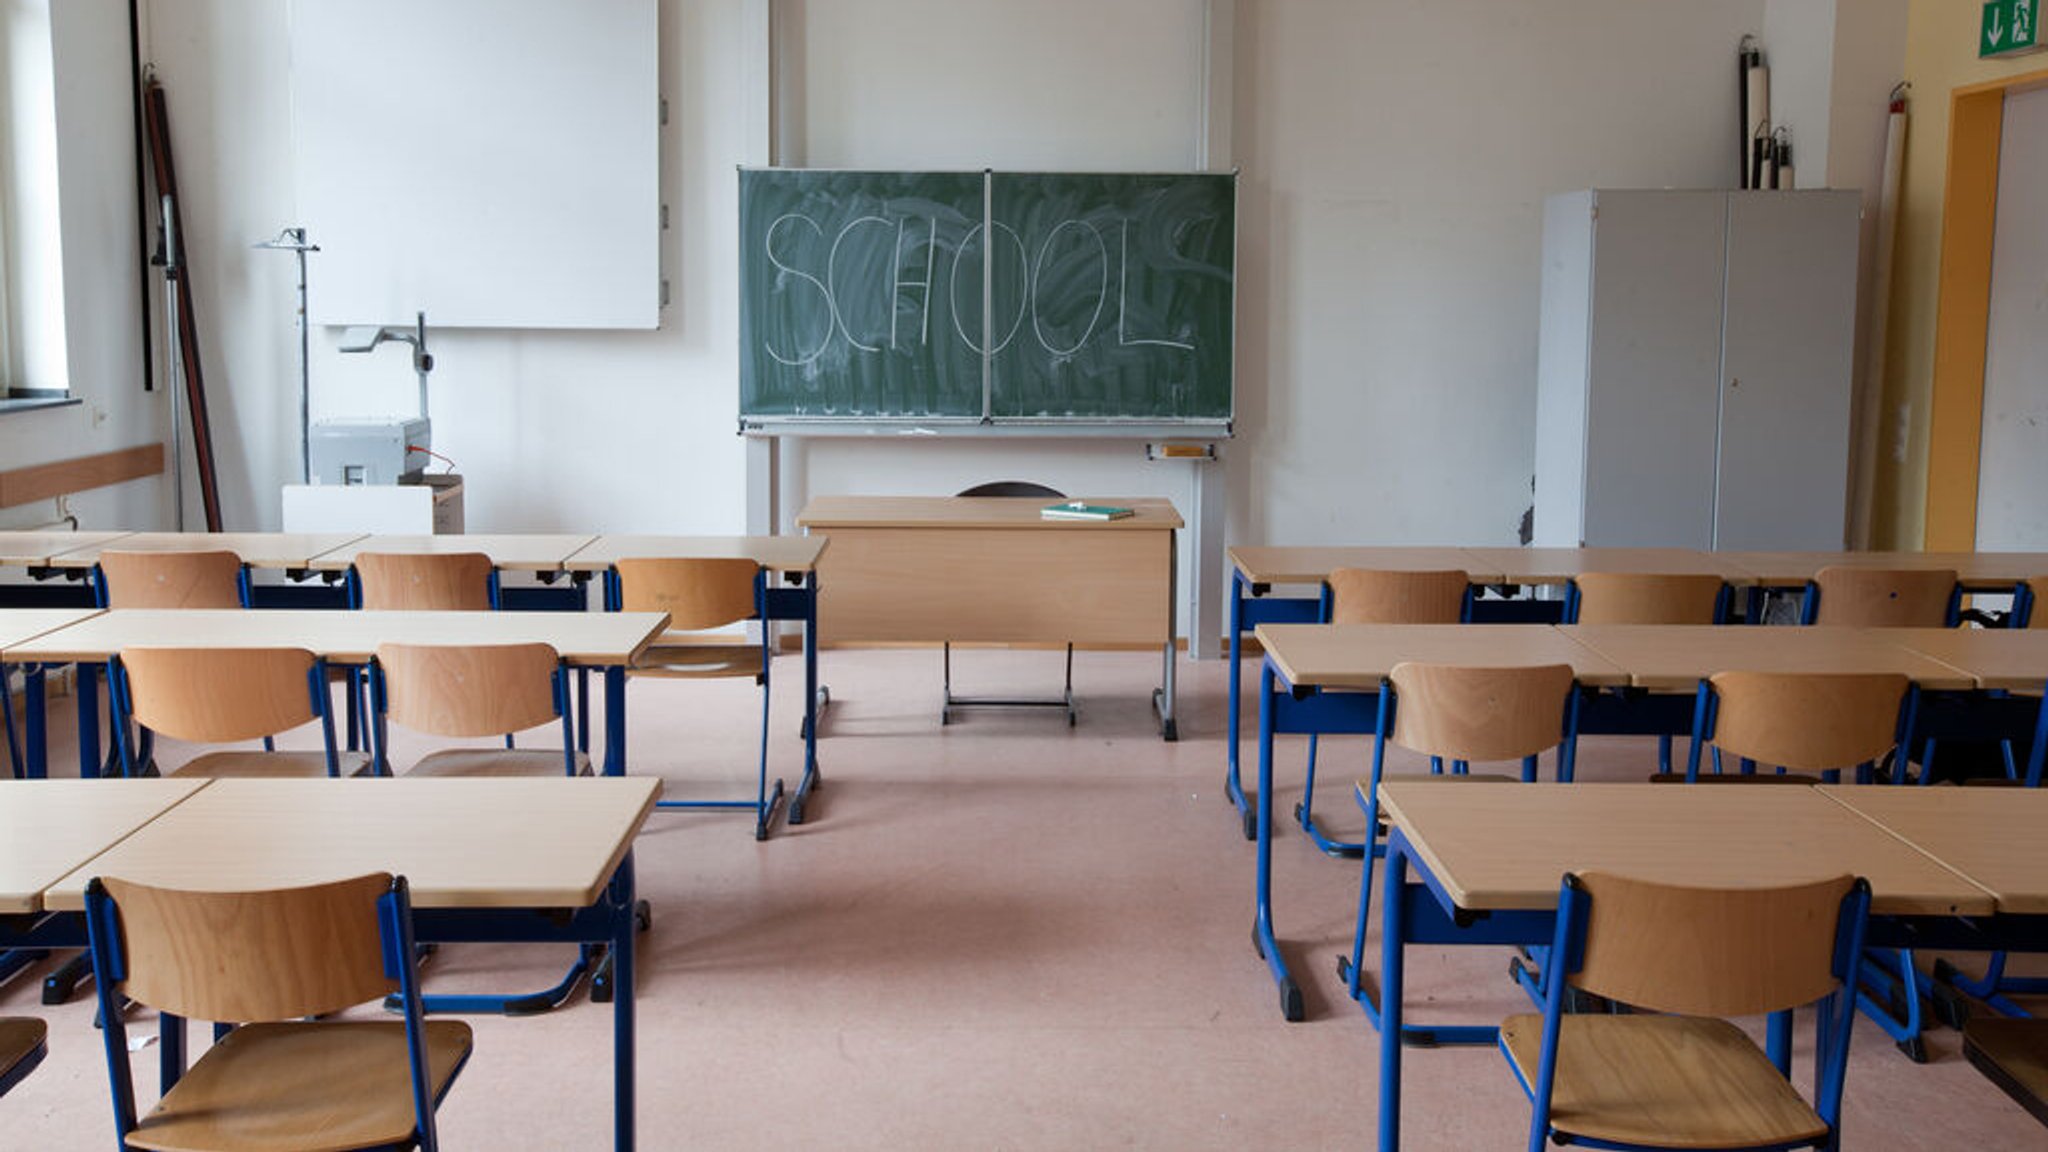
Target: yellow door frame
[[1962, 319]]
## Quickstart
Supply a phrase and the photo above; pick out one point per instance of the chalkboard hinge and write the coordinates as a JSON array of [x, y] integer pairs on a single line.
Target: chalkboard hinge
[[664, 111], [664, 291]]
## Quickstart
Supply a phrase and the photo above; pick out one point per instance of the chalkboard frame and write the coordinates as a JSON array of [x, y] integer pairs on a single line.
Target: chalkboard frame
[[989, 422]]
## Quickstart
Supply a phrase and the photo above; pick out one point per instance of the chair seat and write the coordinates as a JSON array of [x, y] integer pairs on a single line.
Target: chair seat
[[298, 1087], [671, 658], [21, 1046], [495, 762], [2012, 1054], [1662, 1082], [271, 765]]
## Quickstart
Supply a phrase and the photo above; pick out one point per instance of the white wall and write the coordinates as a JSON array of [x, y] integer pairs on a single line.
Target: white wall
[[95, 345], [1395, 157], [554, 430]]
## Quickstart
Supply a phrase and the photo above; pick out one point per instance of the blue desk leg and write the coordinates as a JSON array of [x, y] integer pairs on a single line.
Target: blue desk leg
[[615, 720], [810, 780], [1393, 922], [88, 694], [35, 729], [1263, 937], [1233, 780], [623, 1074]]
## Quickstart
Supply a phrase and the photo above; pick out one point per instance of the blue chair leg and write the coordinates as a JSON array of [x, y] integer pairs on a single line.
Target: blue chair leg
[[1888, 992], [1304, 814]]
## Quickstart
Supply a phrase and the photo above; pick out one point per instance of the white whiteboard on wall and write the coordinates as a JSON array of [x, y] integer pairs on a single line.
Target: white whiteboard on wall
[[492, 163]]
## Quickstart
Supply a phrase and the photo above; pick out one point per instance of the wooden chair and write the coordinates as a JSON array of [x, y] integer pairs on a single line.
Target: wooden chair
[[425, 582], [1008, 490], [473, 691], [22, 1047], [172, 580], [1460, 715], [222, 695], [1647, 598], [1883, 597], [470, 692], [701, 595], [1374, 596], [261, 962], [1820, 723], [1679, 1075]]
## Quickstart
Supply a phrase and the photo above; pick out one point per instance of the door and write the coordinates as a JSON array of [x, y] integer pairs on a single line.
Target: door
[[2012, 473], [1787, 348]]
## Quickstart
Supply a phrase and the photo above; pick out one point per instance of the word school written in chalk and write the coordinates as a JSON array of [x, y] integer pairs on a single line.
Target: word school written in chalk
[[876, 293]]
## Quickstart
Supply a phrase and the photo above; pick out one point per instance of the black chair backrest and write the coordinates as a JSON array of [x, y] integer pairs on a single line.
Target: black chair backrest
[[1014, 488]]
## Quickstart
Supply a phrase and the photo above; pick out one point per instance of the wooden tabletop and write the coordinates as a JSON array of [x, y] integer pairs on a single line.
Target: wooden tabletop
[[775, 553], [18, 625], [1561, 565], [594, 638], [1360, 655], [467, 843], [1148, 513], [1993, 836], [2013, 659], [1675, 657], [1507, 846], [50, 827], [36, 549], [524, 552], [1267, 564], [257, 549], [1982, 569]]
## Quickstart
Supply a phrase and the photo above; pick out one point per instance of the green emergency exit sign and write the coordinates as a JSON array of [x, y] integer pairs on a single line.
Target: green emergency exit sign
[[2009, 28]]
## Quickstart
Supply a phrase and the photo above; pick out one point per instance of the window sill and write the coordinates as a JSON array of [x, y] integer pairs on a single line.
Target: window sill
[[12, 404]]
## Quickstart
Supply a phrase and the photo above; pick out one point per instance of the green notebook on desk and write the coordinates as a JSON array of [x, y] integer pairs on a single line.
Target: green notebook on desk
[[1076, 510]]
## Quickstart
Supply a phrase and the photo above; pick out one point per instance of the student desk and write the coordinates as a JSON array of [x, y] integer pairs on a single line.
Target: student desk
[[992, 570], [530, 860], [794, 557], [1676, 657], [17, 626], [34, 551], [1553, 566], [513, 552], [609, 641], [1982, 570], [48, 828], [292, 551], [1488, 860], [1993, 836], [1354, 658]]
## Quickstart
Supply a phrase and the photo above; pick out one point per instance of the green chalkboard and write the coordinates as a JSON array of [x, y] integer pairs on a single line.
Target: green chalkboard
[[847, 282], [864, 296]]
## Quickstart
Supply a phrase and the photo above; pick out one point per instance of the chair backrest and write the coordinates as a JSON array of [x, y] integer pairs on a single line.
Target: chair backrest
[[1884, 597], [243, 957], [1807, 721], [697, 593], [1710, 951], [463, 690], [1372, 596], [2037, 587], [217, 695], [1463, 713], [424, 581], [1644, 598], [172, 579], [1014, 488]]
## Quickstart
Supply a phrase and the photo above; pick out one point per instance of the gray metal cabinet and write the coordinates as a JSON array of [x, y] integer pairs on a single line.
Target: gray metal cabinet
[[1694, 369]]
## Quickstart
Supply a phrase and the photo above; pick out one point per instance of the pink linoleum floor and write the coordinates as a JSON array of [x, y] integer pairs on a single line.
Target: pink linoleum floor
[[1000, 934]]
